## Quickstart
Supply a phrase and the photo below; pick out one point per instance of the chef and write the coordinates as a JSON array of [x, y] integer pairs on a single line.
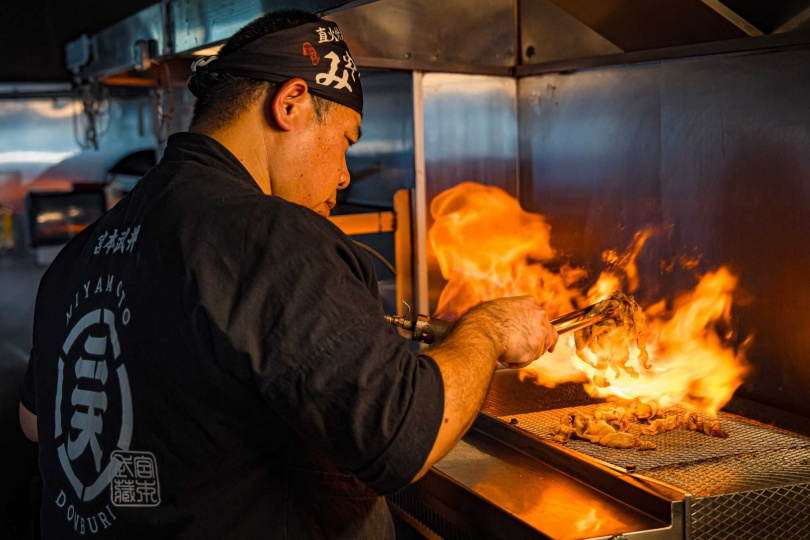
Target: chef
[[210, 358]]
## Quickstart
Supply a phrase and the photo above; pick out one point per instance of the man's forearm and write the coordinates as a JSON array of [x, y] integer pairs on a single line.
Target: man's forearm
[[467, 360]]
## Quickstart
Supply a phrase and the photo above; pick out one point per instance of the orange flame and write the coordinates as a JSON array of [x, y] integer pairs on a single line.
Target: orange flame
[[488, 247]]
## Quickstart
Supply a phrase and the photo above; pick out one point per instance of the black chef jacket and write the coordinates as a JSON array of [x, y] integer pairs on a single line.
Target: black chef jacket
[[212, 362]]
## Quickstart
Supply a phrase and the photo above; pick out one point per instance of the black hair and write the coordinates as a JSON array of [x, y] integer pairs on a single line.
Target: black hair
[[222, 102]]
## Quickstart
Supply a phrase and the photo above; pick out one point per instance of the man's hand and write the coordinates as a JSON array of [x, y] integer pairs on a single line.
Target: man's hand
[[512, 331], [523, 329]]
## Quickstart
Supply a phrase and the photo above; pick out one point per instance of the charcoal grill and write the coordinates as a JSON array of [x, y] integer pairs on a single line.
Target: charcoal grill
[[755, 484]]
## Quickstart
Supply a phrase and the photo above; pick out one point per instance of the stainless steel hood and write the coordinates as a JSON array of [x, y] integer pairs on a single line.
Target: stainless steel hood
[[561, 35], [496, 37], [174, 27], [634, 25]]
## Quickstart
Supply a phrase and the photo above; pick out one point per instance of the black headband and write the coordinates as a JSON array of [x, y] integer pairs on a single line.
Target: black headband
[[314, 52]]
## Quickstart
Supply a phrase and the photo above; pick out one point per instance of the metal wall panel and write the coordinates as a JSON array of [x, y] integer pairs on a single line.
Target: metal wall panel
[[431, 35], [716, 150], [470, 134], [381, 163]]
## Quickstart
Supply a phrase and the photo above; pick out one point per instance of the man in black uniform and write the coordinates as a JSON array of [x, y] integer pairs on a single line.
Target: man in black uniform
[[210, 358]]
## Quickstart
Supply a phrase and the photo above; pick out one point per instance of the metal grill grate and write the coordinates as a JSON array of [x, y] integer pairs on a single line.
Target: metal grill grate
[[677, 447], [746, 472], [776, 513], [510, 396], [755, 484]]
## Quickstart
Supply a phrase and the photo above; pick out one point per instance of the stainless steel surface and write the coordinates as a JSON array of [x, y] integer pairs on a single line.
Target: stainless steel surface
[[128, 127], [403, 250], [769, 467], [549, 33], [414, 34], [175, 27], [770, 43], [470, 131], [755, 484], [653, 24], [512, 486], [445, 35], [113, 49], [781, 513], [36, 90], [713, 148], [38, 150], [420, 207], [608, 33], [385, 33], [35, 134], [382, 162], [381, 165], [202, 23]]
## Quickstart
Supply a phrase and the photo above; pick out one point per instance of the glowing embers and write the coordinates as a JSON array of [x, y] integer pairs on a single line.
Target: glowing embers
[[488, 247]]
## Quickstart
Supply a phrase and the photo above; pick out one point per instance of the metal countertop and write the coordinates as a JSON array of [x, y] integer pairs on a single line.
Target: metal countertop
[[547, 500]]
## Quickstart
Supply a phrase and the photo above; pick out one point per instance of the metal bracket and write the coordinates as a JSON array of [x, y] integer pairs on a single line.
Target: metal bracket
[[144, 53], [78, 53]]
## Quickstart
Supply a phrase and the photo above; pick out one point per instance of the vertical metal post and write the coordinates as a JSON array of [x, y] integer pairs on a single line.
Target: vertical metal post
[[403, 248], [517, 138], [420, 207]]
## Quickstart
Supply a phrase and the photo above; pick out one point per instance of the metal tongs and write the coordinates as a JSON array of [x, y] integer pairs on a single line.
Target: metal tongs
[[431, 329], [578, 320]]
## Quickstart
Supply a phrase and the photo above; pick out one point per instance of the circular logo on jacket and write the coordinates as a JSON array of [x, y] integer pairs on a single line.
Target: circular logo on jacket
[[93, 404]]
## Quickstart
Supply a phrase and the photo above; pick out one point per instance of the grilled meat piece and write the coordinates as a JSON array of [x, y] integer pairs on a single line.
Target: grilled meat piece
[[644, 410], [562, 433], [609, 340], [625, 440], [613, 415], [663, 425], [597, 430], [712, 428], [605, 429]]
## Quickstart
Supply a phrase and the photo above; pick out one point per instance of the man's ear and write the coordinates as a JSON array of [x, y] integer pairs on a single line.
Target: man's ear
[[290, 107]]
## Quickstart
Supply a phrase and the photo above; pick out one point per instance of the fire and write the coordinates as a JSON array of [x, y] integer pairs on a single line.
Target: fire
[[489, 247]]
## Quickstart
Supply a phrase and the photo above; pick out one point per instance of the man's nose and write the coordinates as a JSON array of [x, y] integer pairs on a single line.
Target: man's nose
[[345, 177]]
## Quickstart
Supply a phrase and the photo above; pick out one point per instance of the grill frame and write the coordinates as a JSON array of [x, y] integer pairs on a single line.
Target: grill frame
[[678, 447], [761, 490]]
